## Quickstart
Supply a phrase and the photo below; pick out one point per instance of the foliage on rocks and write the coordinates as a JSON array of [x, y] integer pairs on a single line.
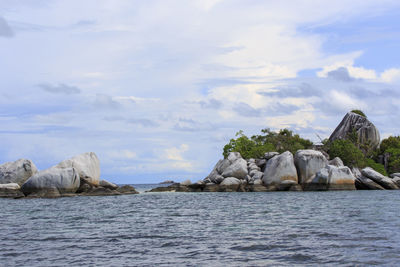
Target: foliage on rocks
[[391, 148], [359, 112], [257, 145]]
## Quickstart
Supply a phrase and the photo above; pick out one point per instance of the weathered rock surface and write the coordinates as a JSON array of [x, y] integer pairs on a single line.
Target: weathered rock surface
[[107, 184], [270, 155], [308, 163], [366, 131], [10, 190], [364, 183], [280, 168], [396, 179], [230, 184], [17, 172], [378, 178], [332, 178], [63, 180], [233, 166], [336, 162], [87, 166]]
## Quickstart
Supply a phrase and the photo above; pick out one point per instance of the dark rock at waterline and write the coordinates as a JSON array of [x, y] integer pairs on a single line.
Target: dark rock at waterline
[[364, 183], [11, 193], [378, 178]]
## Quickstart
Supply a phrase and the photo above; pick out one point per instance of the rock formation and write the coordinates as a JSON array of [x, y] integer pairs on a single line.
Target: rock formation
[[308, 163], [331, 178], [87, 165], [366, 132], [279, 169], [17, 172]]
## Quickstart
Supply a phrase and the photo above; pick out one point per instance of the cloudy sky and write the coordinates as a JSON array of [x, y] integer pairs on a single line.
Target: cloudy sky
[[156, 88]]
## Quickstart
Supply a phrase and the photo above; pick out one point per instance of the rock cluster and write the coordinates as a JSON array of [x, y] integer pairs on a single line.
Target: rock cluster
[[307, 170], [79, 175]]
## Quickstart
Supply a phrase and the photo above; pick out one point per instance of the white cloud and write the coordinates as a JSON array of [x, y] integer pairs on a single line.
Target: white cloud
[[391, 75]]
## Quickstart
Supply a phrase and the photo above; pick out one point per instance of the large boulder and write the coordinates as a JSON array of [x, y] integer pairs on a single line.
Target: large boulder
[[308, 163], [230, 184], [107, 184], [378, 178], [17, 172], [332, 178], [10, 190], [233, 166], [87, 165], [51, 181], [280, 168], [364, 183], [366, 132]]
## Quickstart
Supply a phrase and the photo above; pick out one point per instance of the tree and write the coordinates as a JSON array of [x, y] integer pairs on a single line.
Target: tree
[[257, 145]]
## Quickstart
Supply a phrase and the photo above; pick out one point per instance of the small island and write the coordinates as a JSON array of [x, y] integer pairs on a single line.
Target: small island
[[353, 158]]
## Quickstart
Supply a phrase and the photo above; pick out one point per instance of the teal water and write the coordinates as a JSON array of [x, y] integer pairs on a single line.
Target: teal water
[[203, 229]]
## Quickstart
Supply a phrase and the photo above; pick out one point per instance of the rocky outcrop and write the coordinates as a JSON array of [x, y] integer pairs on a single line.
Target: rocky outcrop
[[364, 183], [366, 132], [87, 166], [17, 172], [308, 163], [63, 180], [230, 184], [336, 162], [10, 190], [331, 178], [233, 166], [107, 184], [280, 168], [378, 178]]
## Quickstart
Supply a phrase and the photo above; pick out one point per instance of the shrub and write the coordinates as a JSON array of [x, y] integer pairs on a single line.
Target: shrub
[[359, 112], [257, 145], [350, 154]]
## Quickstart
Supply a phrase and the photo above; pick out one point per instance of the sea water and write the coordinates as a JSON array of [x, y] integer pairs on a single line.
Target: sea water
[[203, 229]]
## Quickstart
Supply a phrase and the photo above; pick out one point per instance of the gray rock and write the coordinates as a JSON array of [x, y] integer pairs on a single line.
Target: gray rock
[[332, 178], [366, 131], [258, 181], [270, 155], [258, 175], [378, 178], [396, 174], [280, 168], [356, 172], [364, 183], [63, 180], [87, 166], [261, 163], [186, 182], [396, 179], [10, 193], [17, 172], [233, 166], [258, 188], [336, 162], [251, 161], [107, 184], [237, 169], [10, 186], [127, 189], [308, 163], [230, 184], [210, 187]]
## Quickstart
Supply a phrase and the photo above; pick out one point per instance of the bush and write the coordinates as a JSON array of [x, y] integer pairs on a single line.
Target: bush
[[391, 148], [348, 152], [359, 112], [268, 141]]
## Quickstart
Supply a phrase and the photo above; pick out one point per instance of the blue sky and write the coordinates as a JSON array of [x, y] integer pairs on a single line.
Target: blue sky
[[156, 88]]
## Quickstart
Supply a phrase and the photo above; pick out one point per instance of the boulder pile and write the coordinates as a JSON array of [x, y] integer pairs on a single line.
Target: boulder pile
[[79, 175]]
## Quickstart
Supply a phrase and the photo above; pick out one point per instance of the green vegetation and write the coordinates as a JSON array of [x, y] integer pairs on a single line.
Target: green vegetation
[[257, 145], [359, 112], [390, 148]]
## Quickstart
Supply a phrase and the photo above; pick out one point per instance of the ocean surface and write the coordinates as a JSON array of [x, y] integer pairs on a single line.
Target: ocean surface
[[203, 229]]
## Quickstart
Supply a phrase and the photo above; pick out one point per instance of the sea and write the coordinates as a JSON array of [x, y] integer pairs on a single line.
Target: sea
[[344, 228]]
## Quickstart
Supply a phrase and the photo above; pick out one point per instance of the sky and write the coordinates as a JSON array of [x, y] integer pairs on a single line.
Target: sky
[[156, 88]]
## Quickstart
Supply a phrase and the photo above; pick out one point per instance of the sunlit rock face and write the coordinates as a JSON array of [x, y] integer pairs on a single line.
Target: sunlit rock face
[[280, 168], [365, 130]]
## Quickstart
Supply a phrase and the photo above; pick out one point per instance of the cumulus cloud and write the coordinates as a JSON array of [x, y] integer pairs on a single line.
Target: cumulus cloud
[[340, 74], [5, 29], [60, 89]]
